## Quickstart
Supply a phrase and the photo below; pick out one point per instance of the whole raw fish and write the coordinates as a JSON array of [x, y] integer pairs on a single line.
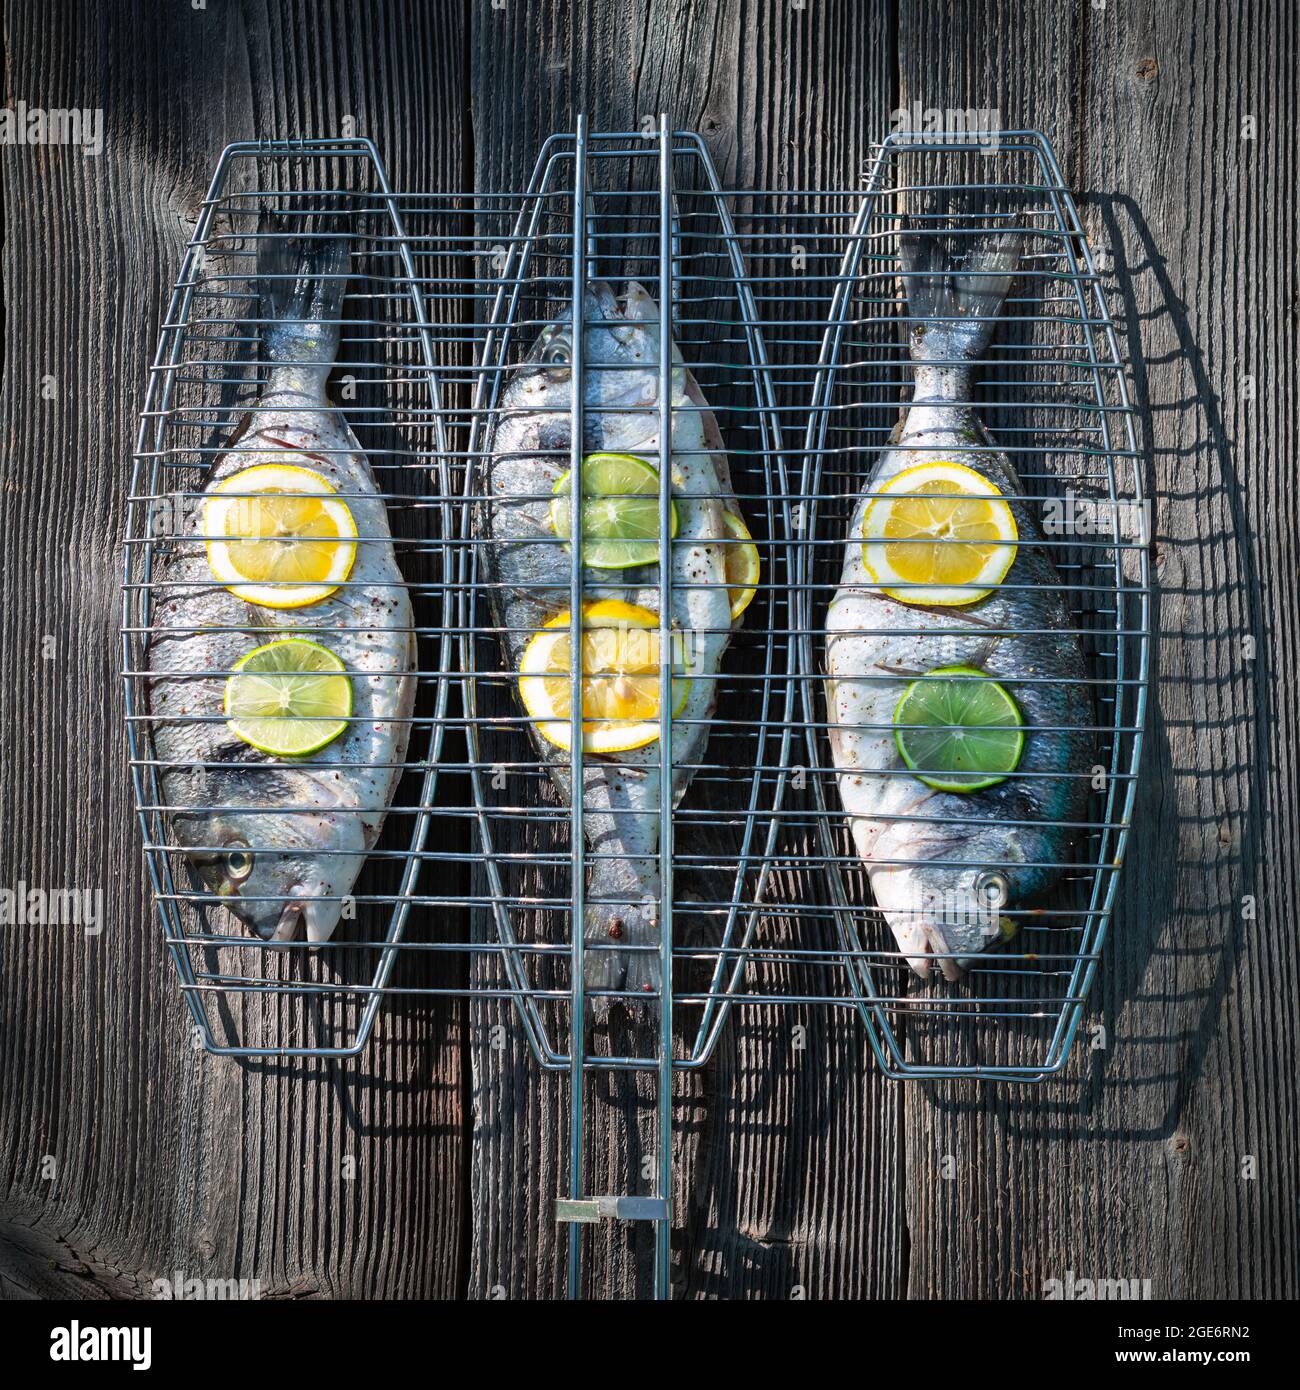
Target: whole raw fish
[[942, 864], [283, 864], [531, 586]]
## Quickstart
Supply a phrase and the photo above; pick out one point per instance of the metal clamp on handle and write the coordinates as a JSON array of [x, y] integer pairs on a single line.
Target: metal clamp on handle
[[591, 1209]]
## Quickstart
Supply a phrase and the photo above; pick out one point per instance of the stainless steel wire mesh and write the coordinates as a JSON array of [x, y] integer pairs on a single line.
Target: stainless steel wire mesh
[[724, 833], [787, 309], [248, 996], [1051, 388]]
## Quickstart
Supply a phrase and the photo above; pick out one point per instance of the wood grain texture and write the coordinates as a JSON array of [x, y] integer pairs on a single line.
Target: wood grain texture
[[1138, 1168], [786, 1178], [124, 1148], [127, 1154]]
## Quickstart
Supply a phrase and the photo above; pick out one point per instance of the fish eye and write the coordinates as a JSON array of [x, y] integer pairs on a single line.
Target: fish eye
[[553, 350], [239, 863], [993, 886]]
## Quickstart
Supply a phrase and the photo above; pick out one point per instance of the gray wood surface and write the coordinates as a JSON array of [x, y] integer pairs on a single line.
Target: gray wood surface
[[1136, 1168], [163, 1158], [125, 1153]]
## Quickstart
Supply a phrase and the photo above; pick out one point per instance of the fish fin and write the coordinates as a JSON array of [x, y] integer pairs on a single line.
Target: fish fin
[[609, 924], [643, 971], [907, 672], [636, 302], [601, 303], [221, 441], [302, 277], [964, 295], [621, 910]]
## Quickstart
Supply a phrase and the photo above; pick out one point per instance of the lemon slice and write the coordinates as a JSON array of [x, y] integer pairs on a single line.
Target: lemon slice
[[620, 678], [279, 535], [743, 566], [939, 533], [288, 698]]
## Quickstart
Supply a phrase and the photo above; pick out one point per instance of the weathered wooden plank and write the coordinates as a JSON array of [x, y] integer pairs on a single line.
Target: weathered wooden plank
[[129, 1155], [1202, 223], [1135, 1166], [124, 1148], [785, 1158]]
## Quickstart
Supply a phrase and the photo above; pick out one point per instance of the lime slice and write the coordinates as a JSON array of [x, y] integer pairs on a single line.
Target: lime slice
[[970, 733], [620, 511], [288, 698]]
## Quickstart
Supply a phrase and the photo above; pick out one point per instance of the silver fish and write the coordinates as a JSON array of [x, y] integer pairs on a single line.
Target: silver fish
[[274, 867], [530, 577], [943, 864]]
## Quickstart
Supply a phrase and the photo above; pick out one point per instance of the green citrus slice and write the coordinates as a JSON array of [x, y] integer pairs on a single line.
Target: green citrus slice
[[959, 730], [620, 511], [288, 698]]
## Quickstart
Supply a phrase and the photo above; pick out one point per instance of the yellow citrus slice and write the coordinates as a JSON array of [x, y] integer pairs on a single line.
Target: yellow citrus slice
[[744, 569], [279, 535], [939, 533], [620, 678]]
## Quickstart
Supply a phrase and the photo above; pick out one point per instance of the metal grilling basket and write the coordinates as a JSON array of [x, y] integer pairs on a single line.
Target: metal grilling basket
[[1052, 390], [246, 996], [786, 309], [659, 221]]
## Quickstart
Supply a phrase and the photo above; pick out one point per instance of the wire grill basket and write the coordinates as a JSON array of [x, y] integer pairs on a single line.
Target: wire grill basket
[[786, 308], [1051, 389], [248, 996], [621, 208]]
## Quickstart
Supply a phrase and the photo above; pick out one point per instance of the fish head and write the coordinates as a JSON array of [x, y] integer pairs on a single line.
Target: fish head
[[620, 331], [947, 900], [621, 348], [276, 871]]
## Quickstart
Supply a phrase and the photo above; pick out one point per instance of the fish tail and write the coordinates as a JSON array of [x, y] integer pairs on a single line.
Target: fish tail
[[962, 296], [302, 276]]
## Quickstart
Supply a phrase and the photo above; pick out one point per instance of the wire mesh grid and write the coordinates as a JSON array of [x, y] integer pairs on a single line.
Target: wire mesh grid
[[624, 211], [780, 321], [247, 995], [1050, 387], [787, 310]]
